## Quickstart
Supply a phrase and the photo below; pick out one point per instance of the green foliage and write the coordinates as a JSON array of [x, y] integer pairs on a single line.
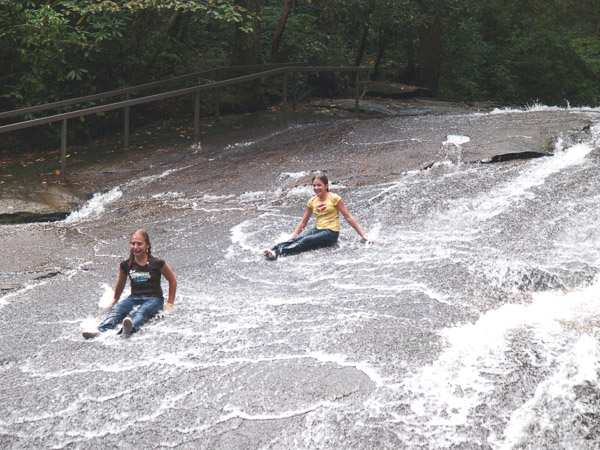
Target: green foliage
[[518, 52], [549, 70], [68, 48], [588, 49], [303, 41], [510, 51], [225, 10]]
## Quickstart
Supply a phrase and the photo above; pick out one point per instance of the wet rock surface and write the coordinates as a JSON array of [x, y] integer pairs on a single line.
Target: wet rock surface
[[448, 330], [25, 201]]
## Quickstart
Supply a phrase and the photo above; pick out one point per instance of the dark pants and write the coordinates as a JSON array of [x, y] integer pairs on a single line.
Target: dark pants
[[148, 307], [307, 241]]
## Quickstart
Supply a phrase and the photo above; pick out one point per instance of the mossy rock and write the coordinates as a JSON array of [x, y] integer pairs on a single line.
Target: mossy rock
[[395, 90]]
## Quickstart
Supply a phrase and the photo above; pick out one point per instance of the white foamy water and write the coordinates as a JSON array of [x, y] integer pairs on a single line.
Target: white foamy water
[[512, 193], [453, 139], [452, 146], [95, 206], [107, 296], [472, 322], [238, 145], [294, 175], [478, 359], [575, 366]]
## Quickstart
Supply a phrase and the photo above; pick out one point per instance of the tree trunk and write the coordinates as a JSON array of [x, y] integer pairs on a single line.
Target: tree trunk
[[247, 47], [165, 37], [276, 43], [410, 72], [383, 40], [142, 21], [365, 35], [247, 50], [430, 56]]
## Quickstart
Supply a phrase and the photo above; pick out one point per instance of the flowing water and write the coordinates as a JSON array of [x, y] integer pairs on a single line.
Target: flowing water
[[472, 322]]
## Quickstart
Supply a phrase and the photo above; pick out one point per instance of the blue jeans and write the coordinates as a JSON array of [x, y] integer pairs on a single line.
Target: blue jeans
[[148, 307], [310, 240]]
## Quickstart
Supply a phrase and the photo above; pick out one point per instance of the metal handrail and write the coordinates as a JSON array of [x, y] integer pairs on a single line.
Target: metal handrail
[[132, 89], [126, 104]]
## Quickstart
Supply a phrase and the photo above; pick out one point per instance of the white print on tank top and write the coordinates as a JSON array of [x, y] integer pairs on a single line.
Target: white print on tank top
[[139, 277]]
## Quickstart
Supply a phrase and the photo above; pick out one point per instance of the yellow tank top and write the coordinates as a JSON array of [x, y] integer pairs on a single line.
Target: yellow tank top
[[327, 214]]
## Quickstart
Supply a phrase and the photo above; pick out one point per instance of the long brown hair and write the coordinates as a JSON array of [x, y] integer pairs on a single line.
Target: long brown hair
[[146, 238]]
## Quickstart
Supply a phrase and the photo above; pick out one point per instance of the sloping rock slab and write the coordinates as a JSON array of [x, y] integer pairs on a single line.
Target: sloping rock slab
[[396, 90], [25, 203], [372, 107]]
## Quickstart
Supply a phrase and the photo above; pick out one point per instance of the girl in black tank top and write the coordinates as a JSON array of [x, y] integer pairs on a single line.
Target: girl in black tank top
[[144, 272]]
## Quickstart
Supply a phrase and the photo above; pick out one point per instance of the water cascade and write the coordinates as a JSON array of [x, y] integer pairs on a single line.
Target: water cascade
[[472, 322]]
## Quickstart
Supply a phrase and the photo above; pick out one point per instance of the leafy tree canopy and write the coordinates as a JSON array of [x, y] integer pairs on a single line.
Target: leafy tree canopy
[[500, 50]]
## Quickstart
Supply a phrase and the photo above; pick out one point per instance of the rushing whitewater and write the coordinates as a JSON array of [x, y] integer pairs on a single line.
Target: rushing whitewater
[[473, 321]]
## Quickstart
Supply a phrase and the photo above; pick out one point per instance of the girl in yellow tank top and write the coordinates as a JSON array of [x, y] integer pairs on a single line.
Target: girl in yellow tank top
[[328, 216], [327, 207]]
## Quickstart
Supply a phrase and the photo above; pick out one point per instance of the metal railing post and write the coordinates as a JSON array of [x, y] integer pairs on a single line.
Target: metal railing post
[[63, 152], [128, 103], [295, 91], [284, 91], [357, 91], [197, 119], [284, 105], [126, 125], [138, 88]]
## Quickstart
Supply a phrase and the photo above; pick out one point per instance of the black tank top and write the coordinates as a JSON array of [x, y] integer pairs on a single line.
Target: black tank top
[[145, 280]]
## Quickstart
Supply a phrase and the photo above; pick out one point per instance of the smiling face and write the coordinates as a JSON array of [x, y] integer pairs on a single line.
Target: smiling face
[[320, 188]]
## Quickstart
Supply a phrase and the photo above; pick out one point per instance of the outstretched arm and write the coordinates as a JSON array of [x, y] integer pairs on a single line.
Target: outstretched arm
[[351, 220], [170, 276], [307, 213], [119, 288]]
